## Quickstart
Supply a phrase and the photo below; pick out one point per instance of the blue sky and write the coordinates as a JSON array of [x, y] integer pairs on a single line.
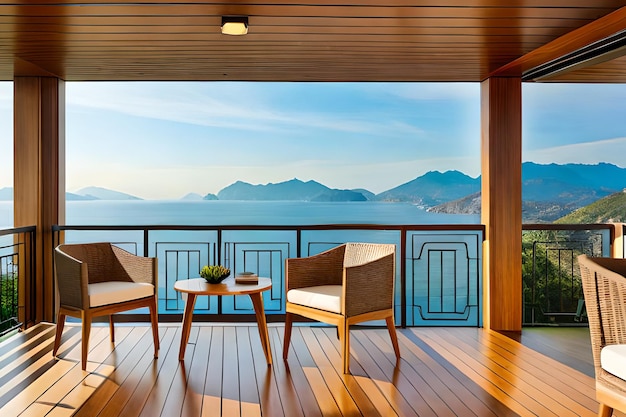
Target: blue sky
[[164, 140]]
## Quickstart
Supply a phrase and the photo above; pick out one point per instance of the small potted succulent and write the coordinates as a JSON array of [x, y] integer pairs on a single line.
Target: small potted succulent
[[214, 274]]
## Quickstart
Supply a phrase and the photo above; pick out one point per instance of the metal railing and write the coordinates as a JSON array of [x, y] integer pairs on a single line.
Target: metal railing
[[552, 289], [17, 262], [438, 269], [439, 273]]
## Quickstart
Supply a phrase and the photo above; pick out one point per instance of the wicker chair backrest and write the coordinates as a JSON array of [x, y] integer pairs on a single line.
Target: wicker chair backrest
[[102, 264], [361, 253]]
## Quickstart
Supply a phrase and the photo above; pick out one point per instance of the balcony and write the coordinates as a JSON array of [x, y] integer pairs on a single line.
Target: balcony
[[460, 370], [500, 47]]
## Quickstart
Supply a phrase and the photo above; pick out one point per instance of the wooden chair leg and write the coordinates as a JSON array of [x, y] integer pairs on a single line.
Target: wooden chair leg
[[287, 338], [391, 326], [605, 411], [154, 318], [344, 339], [59, 332], [86, 330], [111, 328]]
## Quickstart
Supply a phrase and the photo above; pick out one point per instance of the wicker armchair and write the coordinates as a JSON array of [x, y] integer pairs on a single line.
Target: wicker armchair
[[99, 279], [348, 284], [604, 286]]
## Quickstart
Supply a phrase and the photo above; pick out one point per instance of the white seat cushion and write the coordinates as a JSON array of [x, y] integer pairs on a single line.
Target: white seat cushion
[[613, 360], [323, 297], [103, 293]]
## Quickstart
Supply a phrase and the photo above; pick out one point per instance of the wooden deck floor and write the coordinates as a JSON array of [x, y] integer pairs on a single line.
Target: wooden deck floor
[[443, 372]]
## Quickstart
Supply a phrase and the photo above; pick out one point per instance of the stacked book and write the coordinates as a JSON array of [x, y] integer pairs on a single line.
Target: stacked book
[[247, 278]]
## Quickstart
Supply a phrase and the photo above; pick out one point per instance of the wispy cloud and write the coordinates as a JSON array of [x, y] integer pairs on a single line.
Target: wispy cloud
[[179, 102], [238, 106]]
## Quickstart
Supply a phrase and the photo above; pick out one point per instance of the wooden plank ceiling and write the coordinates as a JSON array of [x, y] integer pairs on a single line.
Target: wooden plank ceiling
[[316, 40]]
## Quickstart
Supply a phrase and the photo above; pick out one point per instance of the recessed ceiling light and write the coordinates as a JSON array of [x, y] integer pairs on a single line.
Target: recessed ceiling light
[[234, 25]]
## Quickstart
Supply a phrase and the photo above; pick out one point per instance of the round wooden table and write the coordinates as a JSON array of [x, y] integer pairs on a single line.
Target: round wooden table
[[198, 286]]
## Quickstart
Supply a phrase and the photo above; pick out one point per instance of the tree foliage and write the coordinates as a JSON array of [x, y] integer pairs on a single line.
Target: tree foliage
[[8, 302]]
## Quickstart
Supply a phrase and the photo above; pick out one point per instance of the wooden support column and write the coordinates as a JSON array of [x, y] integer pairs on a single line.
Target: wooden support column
[[501, 131], [39, 179]]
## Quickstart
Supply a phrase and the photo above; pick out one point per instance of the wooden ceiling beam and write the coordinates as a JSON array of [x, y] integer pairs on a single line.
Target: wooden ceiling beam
[[570, 42]]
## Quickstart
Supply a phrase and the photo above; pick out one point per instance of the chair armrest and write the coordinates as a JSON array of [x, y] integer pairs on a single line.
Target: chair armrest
[[325, 268], [71, 280], [369, 286], [139, 268]]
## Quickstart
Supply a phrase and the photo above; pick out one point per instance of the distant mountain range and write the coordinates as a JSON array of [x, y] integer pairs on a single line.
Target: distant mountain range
[[99, 193], [192, 197], [84, 194], [552, 191], [288, 191], [549, 192], [433, 188]]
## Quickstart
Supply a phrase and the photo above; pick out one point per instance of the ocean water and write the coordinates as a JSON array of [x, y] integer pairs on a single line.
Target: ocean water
[[216, 213], [181, 254]]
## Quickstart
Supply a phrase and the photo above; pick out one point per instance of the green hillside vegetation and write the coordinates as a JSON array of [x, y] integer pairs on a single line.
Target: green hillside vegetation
[[608, 209], [9, 303]]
